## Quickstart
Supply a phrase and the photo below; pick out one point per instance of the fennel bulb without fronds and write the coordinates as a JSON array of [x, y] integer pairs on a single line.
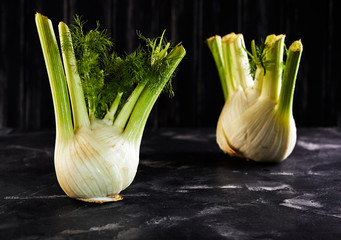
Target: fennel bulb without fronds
[[98, 141], [256, 122]]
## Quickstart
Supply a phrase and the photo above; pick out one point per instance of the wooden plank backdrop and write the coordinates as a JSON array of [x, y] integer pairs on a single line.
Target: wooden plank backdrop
[[25, 98]]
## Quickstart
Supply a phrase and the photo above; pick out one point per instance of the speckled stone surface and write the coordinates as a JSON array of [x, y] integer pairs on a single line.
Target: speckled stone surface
[[185, 188]]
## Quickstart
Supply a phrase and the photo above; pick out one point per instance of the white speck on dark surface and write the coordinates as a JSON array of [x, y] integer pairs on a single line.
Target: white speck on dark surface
[[301, 203], [34, 197], [317, 146], [282, 173], [268, 187]]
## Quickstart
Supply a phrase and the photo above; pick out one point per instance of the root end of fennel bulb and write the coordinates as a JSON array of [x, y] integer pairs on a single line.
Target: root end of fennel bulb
[[102, 102], [109, 198], [256, 122]]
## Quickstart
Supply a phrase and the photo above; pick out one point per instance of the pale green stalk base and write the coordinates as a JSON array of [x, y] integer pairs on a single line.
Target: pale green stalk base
[[122, 119], [110, 116]]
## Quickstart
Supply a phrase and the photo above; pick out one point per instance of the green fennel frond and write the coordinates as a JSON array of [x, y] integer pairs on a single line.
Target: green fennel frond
[[104, 74], [158, 49], [92, 54], [257, 56]]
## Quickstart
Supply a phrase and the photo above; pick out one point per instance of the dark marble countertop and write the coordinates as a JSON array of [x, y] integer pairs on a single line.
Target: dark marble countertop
[[185, 188]]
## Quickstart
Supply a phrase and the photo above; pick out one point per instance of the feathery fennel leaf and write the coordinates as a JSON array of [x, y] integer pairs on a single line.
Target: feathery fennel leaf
[[105, 74]]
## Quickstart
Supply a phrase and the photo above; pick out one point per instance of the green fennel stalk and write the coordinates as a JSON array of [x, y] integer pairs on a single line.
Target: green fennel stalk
[[56, 76]]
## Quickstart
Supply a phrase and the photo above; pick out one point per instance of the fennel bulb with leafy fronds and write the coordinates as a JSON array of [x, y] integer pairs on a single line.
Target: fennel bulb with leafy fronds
[[98, 141], [256, 122]]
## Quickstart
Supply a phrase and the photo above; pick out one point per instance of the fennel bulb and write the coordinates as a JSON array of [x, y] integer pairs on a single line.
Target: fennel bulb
[[256, 122], [97, 152]]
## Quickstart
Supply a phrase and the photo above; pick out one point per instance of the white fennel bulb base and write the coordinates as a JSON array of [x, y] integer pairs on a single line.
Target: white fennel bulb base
[[255, 137], [96, 164]]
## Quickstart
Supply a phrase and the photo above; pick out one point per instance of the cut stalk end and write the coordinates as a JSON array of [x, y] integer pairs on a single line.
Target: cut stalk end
[[289, 78], [215, 45], [273, 65]]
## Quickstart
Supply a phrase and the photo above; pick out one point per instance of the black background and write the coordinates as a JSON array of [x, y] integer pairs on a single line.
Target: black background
[[25, 98]]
